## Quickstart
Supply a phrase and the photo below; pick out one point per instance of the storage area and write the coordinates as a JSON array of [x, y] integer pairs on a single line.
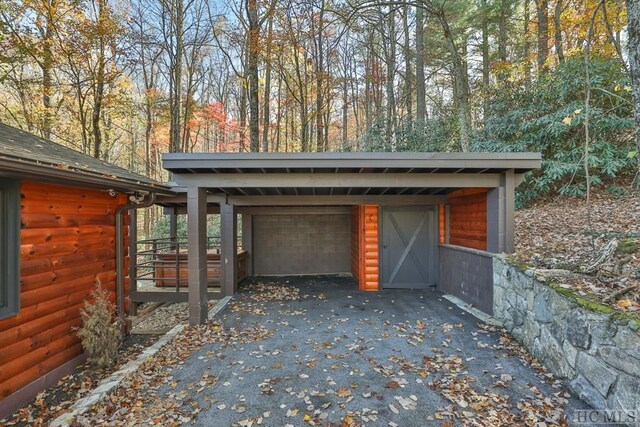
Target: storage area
[[301, 244]]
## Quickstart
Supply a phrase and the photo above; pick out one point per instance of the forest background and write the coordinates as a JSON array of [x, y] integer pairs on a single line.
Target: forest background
[[126, 80]]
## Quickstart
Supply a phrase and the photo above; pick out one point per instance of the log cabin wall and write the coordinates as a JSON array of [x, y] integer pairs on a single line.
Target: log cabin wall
[[364, 247], [442, 223], [468, 218], [67, 245]]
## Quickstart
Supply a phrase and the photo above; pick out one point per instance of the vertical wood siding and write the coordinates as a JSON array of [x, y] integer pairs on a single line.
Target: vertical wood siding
[[442, 223], [365, 262], [468, 218], [67, 244]]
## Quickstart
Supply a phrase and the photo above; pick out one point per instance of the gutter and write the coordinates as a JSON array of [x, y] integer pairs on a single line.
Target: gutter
[[151, 198], [53, 173]]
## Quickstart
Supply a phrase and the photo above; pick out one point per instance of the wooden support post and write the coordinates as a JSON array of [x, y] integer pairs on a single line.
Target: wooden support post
[[133, 258], [495, 221], [228, 249], [197, 254], [500, 215], [173, 224], [247, 240], [508, 183]]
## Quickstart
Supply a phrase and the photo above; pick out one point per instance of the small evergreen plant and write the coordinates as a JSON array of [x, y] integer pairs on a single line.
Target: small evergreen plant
[[100, 332]]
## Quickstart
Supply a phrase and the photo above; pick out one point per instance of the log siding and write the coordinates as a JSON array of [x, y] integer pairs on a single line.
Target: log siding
[[364, 247], [468, 218], [67, 245]]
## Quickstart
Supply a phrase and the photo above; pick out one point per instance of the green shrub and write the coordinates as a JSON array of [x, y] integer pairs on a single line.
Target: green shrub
[[548, 117], [100, 332]]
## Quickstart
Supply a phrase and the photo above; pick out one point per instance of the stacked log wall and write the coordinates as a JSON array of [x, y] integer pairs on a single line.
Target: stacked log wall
[[468, 218], [67, 245]]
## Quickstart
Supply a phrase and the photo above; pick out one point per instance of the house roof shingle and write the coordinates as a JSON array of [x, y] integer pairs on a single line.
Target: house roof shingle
[[28, 155]]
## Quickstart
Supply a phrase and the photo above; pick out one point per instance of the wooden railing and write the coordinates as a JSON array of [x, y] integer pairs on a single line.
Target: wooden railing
[[163, 263]]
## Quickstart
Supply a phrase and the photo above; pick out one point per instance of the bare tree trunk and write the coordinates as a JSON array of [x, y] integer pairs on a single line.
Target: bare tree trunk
[[46, 66], [98, 94], [461, 83], [527, 47], [502, 30], [486, 61], [391, 71], [252, 74], [408, 72], [320, 81], [345, 111], [266, 120], [368, 96], [279, 114], [175, 101], [633, 17], [558, 31], [421, 107], [243, 116], [542, 11]]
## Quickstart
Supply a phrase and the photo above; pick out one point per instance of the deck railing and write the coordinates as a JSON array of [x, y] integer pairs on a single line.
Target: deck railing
[[161, 265]]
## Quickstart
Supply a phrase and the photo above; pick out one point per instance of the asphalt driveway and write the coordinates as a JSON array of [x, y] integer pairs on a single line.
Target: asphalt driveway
[[338, 356]]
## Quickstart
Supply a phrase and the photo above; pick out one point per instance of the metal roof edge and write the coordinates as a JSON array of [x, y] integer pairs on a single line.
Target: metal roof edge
[[50, 172]]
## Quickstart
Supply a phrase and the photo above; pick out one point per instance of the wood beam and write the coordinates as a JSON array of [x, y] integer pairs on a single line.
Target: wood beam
[[197, 254], [335, 200], [228, 249], [247, 240], [361, 180], [508, 182]]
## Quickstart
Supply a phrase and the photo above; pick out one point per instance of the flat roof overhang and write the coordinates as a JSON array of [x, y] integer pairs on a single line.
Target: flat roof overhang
[[348, 162], [261, 179]]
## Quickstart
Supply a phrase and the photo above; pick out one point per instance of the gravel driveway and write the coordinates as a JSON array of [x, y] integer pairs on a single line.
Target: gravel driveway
[[338, 356]]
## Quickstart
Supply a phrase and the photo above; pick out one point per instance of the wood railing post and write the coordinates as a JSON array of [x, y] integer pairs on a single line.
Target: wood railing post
[[228, 249]]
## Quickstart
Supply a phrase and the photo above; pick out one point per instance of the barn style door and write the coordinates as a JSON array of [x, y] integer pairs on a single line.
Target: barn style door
[[409, 239]]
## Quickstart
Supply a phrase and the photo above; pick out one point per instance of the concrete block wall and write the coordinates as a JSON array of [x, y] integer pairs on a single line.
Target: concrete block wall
[[301, 244]]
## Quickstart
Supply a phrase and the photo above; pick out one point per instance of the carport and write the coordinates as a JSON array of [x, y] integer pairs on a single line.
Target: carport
[[392, 220]]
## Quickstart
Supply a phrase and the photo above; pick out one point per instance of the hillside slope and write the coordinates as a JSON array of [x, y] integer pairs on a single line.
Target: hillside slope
[[556, 234]]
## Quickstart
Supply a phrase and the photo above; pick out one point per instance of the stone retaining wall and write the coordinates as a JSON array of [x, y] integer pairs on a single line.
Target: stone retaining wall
[[597, 354]]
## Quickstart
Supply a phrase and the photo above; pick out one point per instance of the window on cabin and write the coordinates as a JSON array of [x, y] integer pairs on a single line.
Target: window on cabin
[[9, 247]]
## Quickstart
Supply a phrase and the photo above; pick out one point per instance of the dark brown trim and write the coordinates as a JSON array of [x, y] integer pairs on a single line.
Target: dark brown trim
[[51, 173], [335, 200]]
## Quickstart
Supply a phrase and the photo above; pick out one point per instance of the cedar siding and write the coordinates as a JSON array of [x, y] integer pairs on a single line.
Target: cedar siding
[[468, 218], [67, 245], [364, 247]]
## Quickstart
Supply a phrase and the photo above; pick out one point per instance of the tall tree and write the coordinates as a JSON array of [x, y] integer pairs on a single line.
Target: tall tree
[[30, 27], [390, 59], [409, 78], [542, 13], [633, 16], [557, 30], [421, 108]]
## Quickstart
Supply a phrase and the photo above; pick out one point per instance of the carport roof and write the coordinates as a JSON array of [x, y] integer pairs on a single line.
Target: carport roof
[[291, 175], [350, 162]]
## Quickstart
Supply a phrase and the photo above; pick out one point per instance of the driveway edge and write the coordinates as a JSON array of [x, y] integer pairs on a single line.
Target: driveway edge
[[472, 310], [115, 379]]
